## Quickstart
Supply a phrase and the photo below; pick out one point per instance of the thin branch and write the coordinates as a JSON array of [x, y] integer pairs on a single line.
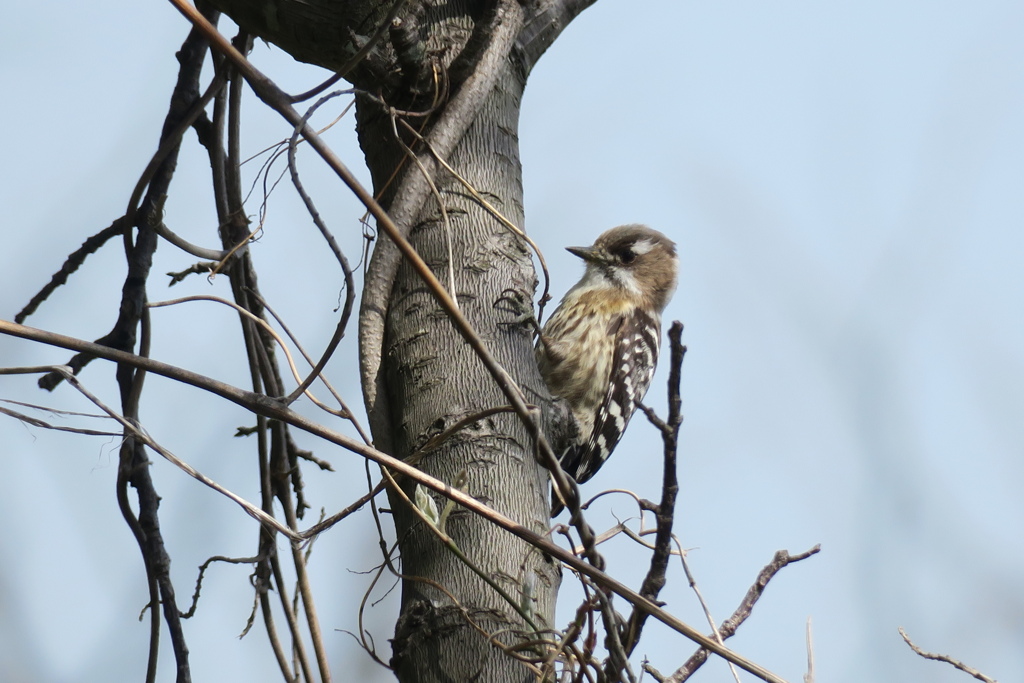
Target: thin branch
[[141, 436], [187, 247], [151, 580], [809, 676], [730, 625], [360, 614], [945, 658], [305, 591], [170, 142], [350, 292], [194, 269], [704, 606], [71, 264], [279, 468], [36, 422], [664, 513], [327, 523], [617, 663], [268, 572], [132, 326], [345, 413], [46, 409], [252, 317], [274, 409], [298, 645], [202, 572]]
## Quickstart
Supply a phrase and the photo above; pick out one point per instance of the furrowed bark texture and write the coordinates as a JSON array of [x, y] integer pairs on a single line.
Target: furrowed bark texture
[[432, 379], [419, 375]]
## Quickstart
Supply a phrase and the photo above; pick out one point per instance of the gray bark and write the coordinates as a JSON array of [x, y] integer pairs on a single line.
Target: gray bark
[[434, 379], [420, 376]]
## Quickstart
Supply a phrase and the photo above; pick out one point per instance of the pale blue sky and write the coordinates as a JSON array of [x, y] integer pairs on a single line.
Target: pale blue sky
[[846, 185]]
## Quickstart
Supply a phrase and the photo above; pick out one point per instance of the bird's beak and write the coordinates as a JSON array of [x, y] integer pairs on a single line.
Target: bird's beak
[[588, 254]]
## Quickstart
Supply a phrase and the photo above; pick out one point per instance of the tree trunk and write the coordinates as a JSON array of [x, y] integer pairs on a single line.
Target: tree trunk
[[434, 379], [465, 65]]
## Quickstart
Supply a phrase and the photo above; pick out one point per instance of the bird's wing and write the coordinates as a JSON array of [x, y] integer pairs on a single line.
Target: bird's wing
[[635, 355]]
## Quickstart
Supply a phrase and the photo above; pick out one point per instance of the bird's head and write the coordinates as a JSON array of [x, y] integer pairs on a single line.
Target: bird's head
[[634, 258]]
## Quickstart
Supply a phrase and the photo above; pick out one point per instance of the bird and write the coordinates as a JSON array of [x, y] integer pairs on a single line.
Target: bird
[[599, 349]]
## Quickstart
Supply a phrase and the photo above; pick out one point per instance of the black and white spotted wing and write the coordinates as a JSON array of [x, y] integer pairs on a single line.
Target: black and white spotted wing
[[635, 356]]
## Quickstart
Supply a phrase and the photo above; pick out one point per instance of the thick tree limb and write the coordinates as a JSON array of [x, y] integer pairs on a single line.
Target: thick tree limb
[[545, 21]]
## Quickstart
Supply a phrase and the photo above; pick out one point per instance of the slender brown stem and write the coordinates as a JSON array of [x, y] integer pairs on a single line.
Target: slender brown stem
[[274, 409]]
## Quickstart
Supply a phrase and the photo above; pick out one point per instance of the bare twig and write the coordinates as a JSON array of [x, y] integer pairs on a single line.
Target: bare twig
[[729, 626], [71, 264], [617, 664], [345, 412], [256, 320], [305, 590], [169, 144], [350, 292], [664, 513], [189, 248], [809, 676], [704, 606], [132, 326], [202, 572], [364, 639], [195, 268], [36, 422], [945, 658]]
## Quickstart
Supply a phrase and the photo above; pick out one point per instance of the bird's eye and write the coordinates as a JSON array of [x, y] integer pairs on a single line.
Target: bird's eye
[[627, 255]]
